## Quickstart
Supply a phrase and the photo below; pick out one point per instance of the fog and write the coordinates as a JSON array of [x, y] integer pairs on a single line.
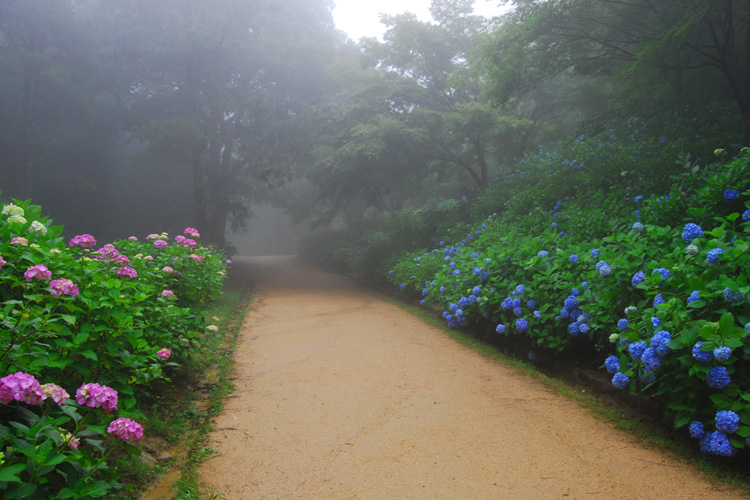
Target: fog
[[269, 232]]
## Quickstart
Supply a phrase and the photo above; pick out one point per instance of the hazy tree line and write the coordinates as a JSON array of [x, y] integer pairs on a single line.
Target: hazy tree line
[[127, 116]]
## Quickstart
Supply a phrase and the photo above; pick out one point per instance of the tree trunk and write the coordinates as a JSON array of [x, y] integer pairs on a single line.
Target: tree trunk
[[199, 196]]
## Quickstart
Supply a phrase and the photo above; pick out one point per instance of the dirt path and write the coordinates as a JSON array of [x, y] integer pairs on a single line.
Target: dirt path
[[343, 396]]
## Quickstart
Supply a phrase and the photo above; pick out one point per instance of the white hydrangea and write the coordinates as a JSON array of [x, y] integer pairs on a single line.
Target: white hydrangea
[[38, 228], [11, 209]]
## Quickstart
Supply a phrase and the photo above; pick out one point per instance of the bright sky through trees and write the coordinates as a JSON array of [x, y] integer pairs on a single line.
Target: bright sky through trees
[[358, 18]]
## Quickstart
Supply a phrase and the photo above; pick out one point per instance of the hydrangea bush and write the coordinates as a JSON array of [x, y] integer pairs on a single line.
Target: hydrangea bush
[[86, 330], [666, 300]]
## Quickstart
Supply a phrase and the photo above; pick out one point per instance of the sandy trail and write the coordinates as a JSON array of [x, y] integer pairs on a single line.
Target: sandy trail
[[343, 396]]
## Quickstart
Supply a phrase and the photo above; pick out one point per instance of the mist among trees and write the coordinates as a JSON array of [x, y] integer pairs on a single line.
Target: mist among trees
[[116, 115]]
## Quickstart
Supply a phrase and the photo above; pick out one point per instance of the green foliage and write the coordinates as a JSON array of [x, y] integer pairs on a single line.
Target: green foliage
[[74, 315]]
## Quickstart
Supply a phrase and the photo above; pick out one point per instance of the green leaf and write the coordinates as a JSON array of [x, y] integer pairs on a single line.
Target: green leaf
[[89, 354], [69, 318], [9, 474]]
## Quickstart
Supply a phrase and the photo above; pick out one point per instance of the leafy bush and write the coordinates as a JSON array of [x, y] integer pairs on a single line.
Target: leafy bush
[[85, 333]]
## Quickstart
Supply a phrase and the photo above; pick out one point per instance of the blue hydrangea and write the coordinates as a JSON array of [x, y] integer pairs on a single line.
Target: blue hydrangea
[[717, 443], [713, 256], [474, 255], [575, 314], [584, 328], [402, 286], [696, 429], [543, 254], [620, 380], [664, 273], [636, 350], [638, 198], [655, 322], [453, 265], [612, 364], [570, 302], [507, 304], [700, 354], [500, 328], [452, 325], [651, 360], [564, 314], [477, 270], [638, 278], [422, 302], [522, 325], [516, 303], [659, 300], [722, 353], [622, 324], [691, 232], [692, 250], [603, 268], [747, 327], [425, 291], [727, 421], [447, 258], [746, 214], [520, 290], [472, 298], [452, 307], [459, 313], [477, 290], [733, 296], [594, 253], [637, 226], [575, 292], [531, 304], [517, 311], [718, 377], [659, 342], [538, 314], [695, 295], [442, 289], [573, 259], [463, 302], [574, 329], [731, 194]]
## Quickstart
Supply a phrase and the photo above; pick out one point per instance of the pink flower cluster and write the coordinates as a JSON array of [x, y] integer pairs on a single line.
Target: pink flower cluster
[[192, 232], [57, 393], [69, 439], [160, 244], [164, 353], [107, 252], [132, 238], [97, 396], [126, 272], [185, 241], [2, 262], [197, 258], [19, 240], [167, 293], [121, 260], [127, 429], [21, 387], [37, 272], [63, 286], [82, 240], [167, 269]]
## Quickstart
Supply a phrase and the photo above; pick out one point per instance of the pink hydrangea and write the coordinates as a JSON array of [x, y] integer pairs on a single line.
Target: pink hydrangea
[[167, 269], [127, 429], [37, 272], [2, 262], [107, 252], [190, 243], [153, 236], [56, 393], [148, 257], [164, 353], [160, 244], [97, 396], [167, 293], [126, 272], [82, 240], [63, 286], [20, 240], [20, 387], [132, 238], [180, 239], [69, 439], [121, 260], [196, 258], [228, 262], [192, 232]]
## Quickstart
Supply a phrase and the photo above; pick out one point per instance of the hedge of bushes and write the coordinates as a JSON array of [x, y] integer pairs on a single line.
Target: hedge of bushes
[[663, 297], [86, 331]]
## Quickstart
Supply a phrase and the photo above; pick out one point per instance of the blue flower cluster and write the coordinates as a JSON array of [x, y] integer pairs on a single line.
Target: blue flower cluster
[[731, 194], [691, 232], [612, 364], [722, 353], [733, 296], [717, 443], [638, 278], [713, 256], [718, 377], [603, 268], [701, 355], [695, 295], [727, 421]]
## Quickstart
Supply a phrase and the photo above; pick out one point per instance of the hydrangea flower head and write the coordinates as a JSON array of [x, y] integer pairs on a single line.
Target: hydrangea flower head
[[167, 293], [164, 353], [500, 328], [11, 209], [212, 328], [718, 377], [107, 252], [695, 295], [20, 386], [731, 194], [733, 296], [63, 286], [167, 269], [38, 273], [573, 259], [522, 325], [69, 439], [543, 254], [651, 360], [20, 240], [17, 219], [746, 214], [82, 240], [722, 353], [717, 443], [192, 232], [691, 232], [727, 421], [574, 329], [658, 299], [127, 429], [121, 260], [713, 256], [636, 350], [94, 395], [692, 250], [638, 227], [56, 393], [701, 355], [517, 311], [477, 290], [612, 364], [638, 278], [38, 228], [659, 342], [622, 324], [663, 272], [595, 253], [613, 338], [620, 380], [160, 244], [520, 290], [126, 272], [696, 429], [603, 268]]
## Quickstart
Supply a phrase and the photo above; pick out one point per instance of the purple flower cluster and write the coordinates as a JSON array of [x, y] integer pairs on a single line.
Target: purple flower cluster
[[97, 396], [107, 252], [126, 429], [21, 386], [63, 287], [57, 393], [82, 240], [126, 272], [37, 272]]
